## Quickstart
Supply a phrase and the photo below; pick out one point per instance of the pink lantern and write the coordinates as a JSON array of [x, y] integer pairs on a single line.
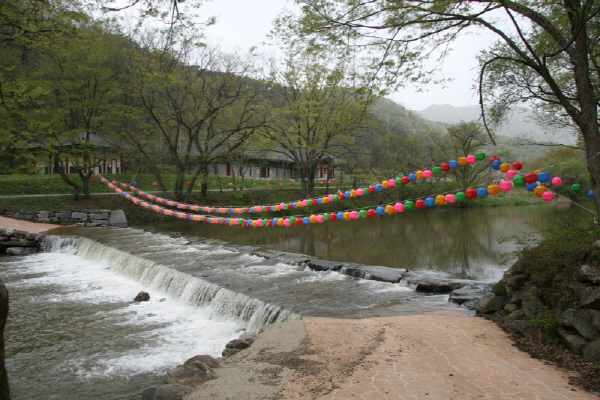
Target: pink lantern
[[320, 219], [511, 173], [398, 207], [330, 197], [286, 222], [359, 191], [280, 184], [282, 206], [392, 183], [450, 198], [154, 183], [427, 173], [557, 181], [354, 214], [258, 209], [505, 186], [471, 159], [259, 222], [304, 203], [548, 195]]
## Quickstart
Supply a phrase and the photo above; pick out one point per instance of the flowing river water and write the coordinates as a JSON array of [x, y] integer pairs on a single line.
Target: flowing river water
[[75, 334]]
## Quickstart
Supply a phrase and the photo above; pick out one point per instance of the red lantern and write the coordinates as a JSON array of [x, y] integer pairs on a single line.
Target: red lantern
[[314, 202], [531, 177], [333, 217], [188, 183], [493, 158], [371, 213], [405, 180], [445, 167], [371, 189], [517, 165], [471, 193], [420, 204]]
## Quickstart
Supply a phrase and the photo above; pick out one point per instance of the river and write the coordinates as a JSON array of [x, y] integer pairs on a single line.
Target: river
[[75, 334]]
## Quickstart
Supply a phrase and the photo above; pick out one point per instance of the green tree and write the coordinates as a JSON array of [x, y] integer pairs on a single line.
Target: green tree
[[195, 113], [322, 106], [546, 53]]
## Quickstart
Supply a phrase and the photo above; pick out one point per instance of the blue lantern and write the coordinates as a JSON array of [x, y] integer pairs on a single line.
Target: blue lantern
[[496, 164], [429, 202], [453, 164], [531, 186], [412, 177], [544, 177], [380, 210], [482, 192], [306, 220], [378, 187]]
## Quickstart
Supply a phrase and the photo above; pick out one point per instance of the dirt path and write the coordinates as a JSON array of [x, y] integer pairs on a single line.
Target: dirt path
[[429, 356], [33, 227]]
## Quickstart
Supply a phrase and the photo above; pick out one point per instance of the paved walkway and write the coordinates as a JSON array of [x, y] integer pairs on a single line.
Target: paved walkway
[[430, 356], [33, 227]]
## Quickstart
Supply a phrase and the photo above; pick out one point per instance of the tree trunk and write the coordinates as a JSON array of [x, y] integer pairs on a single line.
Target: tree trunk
[[65, 176], [4, 387]]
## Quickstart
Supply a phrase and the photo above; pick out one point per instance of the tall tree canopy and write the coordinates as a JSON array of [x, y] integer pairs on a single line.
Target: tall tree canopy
[[547, 52]]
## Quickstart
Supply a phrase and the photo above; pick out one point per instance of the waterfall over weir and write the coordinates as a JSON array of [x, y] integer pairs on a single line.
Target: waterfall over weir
[[224, 303]]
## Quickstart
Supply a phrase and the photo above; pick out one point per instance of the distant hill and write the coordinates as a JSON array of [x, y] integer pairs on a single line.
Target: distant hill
[[519, 125]]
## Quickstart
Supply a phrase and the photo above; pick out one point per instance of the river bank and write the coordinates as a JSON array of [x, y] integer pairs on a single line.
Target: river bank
[[419, 356]]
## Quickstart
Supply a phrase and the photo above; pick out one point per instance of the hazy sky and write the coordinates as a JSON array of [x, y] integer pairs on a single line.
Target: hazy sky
[[245, 23]]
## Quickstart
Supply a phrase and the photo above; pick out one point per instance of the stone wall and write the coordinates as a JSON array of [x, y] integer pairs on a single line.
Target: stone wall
[[17, 242], [73, 217]]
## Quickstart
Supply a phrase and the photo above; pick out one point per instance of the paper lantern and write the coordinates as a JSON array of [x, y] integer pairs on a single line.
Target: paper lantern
[[259, 222], [539, 190], [496, 164], [471, 159], [419, 174], [347, 216], [389, 209], [445, 167], [504, 167], [493, 189], [319, 219], [287, 222], [480, 155], [440, 199], [453, 164], [338, 197], [531, 177], [436, 170], [511, 173], [188, 183], [409, 205], [380, 210], [360, 191], [544, 177], [405, 180], [576, 187], [471, 193], [362, 214], [531, 186], [258, 209], [482, 192], [303, 203], [429, 202], [493, 158], [312, 219], [291, 183], [450, 198], [548, 195], [412, 177], [517, 165], [399, 181], [314, 202], [384, 185], [462, 161], [325, 217], [591, 193], [420, 204], [280, 184], [557, 181], [505, 186], [93, 180], [333, 217], [378, 187], [371, 189], [519, 180], [340, 216], [303, 221], [354, 214], [427, 174], [371, 213], [399, 207], [460, 196], [390, 183]]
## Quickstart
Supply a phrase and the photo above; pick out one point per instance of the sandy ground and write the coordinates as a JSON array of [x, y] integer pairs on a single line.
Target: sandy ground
[[431, 356], [428, 356], [33, 227]]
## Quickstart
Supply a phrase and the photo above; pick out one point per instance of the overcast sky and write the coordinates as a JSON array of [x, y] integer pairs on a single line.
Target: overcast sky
[[245, 23]]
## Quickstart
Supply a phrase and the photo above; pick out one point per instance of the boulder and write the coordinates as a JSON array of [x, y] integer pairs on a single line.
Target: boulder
[[21, 251], [582, 320], [142, 296], [193, 372], [173, 391], [468, 293], [573, 341], [517, 281], [589, 274], [117, 218], [325, 265], [235, 345], [490, 303], [373, 272], [590, 298], [591, 351]]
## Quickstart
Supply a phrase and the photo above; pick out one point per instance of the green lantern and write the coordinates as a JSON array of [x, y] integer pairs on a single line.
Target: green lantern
[[362, 213], [409, 205], [576, 187], [480, 155], [436, 170], [519, 180], [326, 217], [460, 196]]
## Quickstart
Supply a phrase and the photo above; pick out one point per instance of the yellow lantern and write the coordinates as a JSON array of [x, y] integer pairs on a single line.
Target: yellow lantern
[[440, 199], [493, 189], [539, 190], [462, 161]]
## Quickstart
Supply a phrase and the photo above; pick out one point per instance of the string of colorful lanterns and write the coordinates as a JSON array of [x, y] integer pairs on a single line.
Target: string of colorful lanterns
[[533, 181]]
